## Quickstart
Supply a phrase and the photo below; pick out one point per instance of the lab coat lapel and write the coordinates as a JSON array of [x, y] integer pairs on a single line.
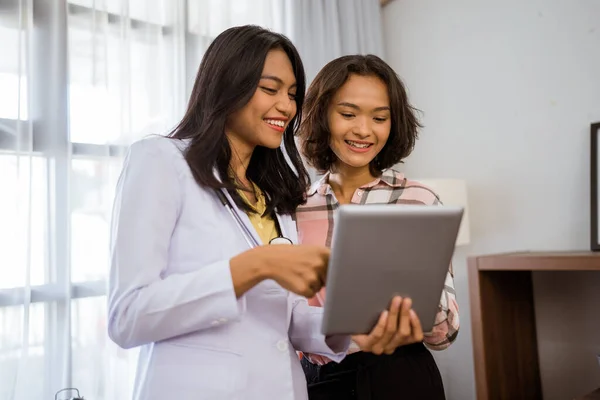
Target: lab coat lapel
[[243, 216], [288, 228]]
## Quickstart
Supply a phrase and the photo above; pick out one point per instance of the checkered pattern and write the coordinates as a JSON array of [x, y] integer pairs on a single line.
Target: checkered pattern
[[315, 226]]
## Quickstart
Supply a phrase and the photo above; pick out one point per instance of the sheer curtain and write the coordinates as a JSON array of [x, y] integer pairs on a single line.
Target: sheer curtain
[[324, 30], [79, 81]]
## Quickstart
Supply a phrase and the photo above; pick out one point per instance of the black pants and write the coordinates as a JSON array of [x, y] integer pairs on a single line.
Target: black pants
[[408, 374]]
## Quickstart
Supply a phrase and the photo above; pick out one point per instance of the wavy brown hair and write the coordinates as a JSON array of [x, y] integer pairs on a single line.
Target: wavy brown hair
[[314, 130]]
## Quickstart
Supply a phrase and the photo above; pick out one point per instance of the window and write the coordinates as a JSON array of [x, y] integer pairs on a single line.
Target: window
[[13, 102], [97, 75], [111, 74]]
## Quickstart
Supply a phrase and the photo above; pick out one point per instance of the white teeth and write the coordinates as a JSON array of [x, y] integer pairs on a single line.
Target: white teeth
[[358, 145], [275, 122]]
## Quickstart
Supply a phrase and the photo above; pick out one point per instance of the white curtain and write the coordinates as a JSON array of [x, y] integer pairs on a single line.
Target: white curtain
[[79, 81], [326, 29]]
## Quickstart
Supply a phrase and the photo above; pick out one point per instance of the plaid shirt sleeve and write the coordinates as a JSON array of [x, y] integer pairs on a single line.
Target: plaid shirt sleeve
[[447, 323], [445, 329]]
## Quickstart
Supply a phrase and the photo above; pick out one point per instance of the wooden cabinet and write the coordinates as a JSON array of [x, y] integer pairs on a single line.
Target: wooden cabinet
[[503, 320]]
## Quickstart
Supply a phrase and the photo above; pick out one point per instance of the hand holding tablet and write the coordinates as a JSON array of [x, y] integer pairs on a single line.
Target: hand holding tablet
[[397, 327]]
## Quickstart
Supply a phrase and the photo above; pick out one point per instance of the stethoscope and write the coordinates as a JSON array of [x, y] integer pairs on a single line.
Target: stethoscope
[[248, 236]]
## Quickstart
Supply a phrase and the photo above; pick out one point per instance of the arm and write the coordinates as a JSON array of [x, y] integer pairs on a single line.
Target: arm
[[447, 322], [143, 305], [305, 331]]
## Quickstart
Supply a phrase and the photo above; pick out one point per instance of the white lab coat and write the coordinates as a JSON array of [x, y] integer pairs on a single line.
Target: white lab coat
[[171, 292]]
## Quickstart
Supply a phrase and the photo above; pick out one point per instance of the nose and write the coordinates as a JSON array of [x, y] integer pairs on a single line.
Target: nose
[[362, 129], [285, 105]]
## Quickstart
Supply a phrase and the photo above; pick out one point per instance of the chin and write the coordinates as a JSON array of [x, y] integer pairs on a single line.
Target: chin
[[271, 144], [356, 162], [353, 165], [359, 166]]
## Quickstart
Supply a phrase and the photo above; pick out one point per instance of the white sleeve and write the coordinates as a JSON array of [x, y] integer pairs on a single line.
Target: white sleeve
[[144, 306], [305, 332]]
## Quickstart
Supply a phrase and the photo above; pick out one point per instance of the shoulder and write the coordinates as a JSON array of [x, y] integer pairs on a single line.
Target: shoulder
[[316, 195], [314, 201], [156, 145], [157, 151], [414, 191]]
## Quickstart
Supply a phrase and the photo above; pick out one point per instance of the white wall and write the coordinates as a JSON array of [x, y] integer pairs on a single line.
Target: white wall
[[508, 90]]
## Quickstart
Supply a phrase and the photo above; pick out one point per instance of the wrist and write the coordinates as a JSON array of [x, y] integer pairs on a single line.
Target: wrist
[[261, 265], [247, 270], [256, 264]]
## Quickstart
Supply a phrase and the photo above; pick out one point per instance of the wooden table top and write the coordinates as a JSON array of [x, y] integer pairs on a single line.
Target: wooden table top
[[537, 261]]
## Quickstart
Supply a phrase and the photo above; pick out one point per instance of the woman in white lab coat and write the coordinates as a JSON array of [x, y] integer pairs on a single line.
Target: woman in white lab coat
[[218, 314]]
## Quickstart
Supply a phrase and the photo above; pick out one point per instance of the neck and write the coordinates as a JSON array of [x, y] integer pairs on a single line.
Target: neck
[[344, 181], [240, 158]]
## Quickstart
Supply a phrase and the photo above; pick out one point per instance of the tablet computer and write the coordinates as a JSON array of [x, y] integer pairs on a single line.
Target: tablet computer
[[379, 251]]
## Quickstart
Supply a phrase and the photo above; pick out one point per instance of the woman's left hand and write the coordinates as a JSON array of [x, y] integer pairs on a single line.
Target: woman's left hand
[[396, 327]]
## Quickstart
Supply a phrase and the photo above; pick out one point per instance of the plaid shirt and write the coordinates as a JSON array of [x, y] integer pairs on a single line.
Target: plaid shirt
[[315, 221]]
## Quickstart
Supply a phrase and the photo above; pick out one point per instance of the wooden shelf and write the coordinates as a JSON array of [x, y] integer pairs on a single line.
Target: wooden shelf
[[539, 261], [503, 319]]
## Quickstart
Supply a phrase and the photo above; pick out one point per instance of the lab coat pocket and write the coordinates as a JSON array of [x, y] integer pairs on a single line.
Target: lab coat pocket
[[200, 373]]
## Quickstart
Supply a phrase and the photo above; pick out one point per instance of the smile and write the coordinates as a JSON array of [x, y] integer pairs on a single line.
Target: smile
[[275, 122], [358, 145]]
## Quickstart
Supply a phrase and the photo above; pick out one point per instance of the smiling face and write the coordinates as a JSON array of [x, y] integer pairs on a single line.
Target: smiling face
[[359, 121], [263, 120]]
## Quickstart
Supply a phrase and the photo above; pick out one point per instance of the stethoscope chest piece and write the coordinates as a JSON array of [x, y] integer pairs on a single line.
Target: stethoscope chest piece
[[280, 240]]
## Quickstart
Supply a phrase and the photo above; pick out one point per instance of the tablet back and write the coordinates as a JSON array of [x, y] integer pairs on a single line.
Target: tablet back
[[379, 251]]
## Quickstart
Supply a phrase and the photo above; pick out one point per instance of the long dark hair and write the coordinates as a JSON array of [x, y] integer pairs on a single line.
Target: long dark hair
[[314, 131], [226, 81]]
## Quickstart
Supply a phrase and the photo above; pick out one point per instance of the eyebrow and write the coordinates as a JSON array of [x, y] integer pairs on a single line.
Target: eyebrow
[[354, 106], [276, 79]]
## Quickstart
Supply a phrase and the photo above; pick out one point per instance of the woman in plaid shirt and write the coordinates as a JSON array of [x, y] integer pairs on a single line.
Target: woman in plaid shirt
[[358, 124]]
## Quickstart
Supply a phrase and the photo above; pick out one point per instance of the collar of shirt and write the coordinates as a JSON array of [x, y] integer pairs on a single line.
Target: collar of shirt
[[261, 204], [389, 177]]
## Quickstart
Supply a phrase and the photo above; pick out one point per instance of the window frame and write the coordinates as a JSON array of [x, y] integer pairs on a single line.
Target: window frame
[[48, 136]]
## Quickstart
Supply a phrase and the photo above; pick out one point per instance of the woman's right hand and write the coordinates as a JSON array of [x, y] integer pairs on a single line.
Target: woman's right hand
[[301, 269]]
